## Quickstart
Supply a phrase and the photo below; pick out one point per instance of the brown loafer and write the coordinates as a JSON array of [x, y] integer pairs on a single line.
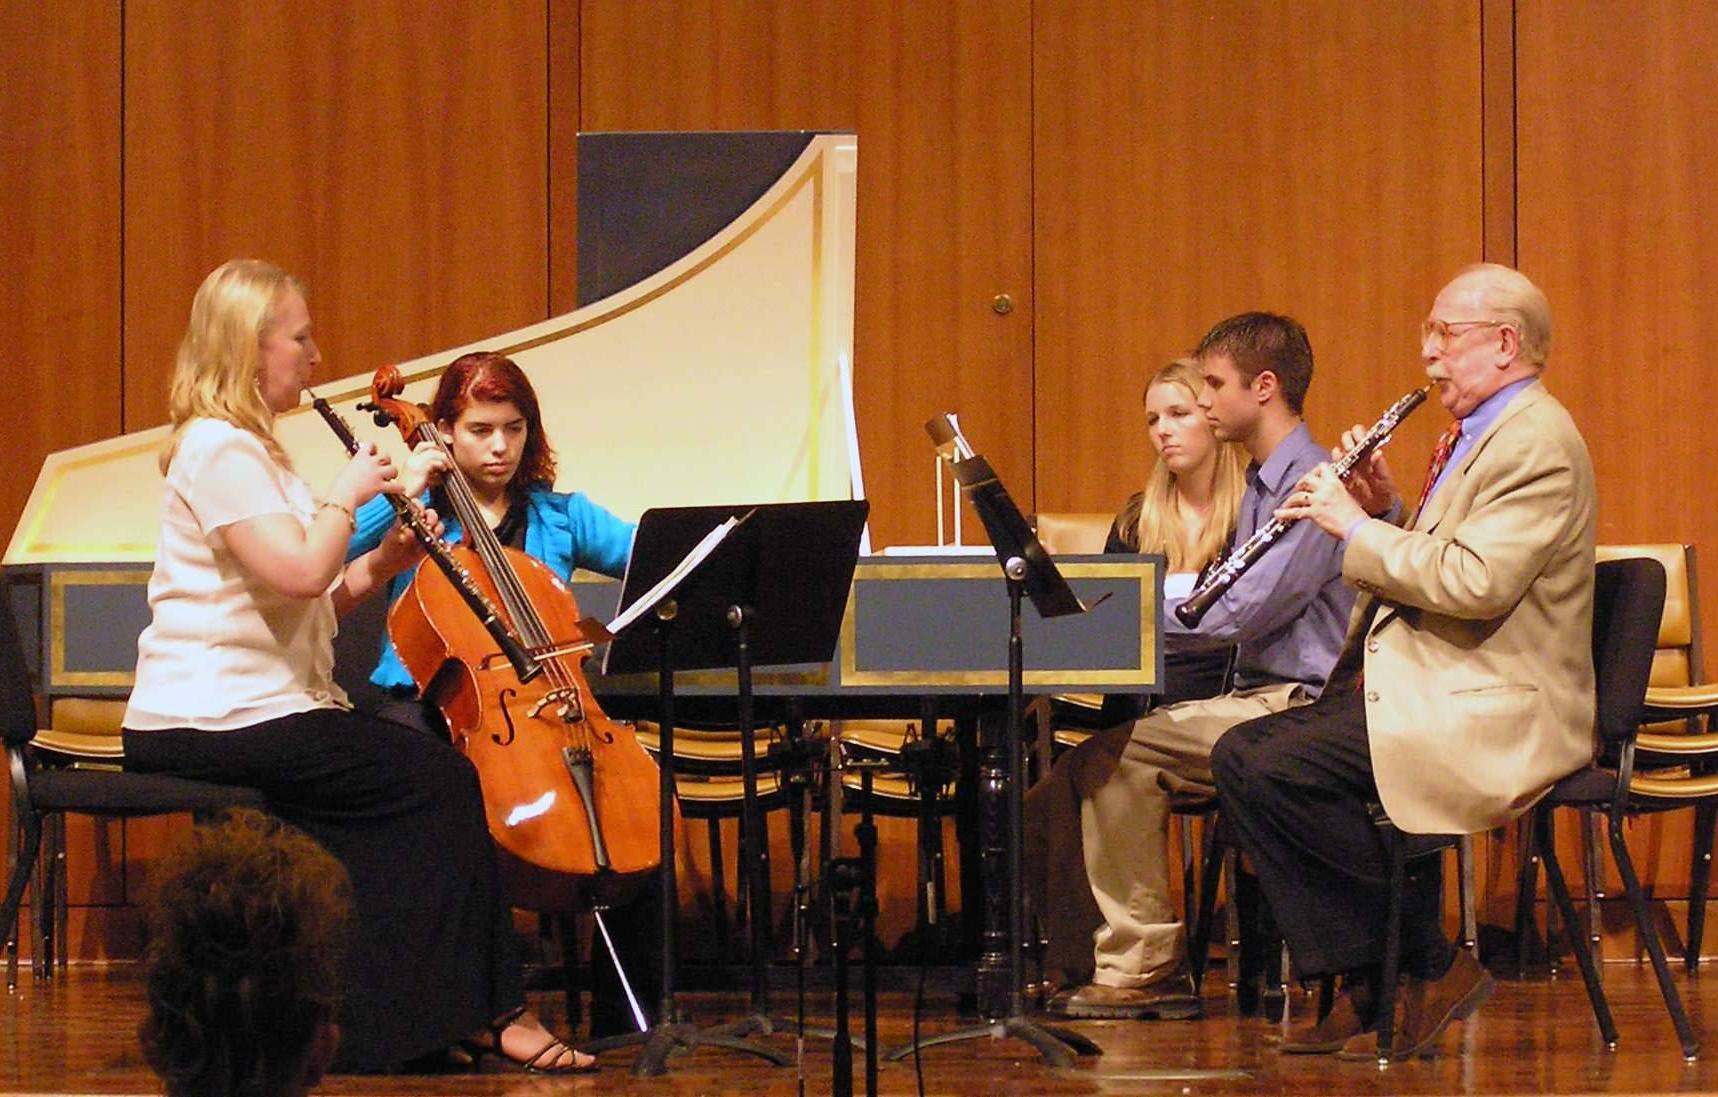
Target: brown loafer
[[1425, 1007], [1169, 998], [1330, 1034]]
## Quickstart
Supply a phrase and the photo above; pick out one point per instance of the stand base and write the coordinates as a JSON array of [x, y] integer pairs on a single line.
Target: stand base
[[759, 1024], [664, 1040], [1056, 1046]]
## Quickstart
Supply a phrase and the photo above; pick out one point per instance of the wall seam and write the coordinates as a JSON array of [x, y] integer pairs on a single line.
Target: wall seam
[[121, 157], [1032, 233]]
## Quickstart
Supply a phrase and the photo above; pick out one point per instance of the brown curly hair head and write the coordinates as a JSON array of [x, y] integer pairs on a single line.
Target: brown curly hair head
[[485, 376], [247, 921]]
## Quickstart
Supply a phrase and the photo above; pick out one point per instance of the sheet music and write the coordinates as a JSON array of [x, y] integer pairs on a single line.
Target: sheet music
[[649, 600]]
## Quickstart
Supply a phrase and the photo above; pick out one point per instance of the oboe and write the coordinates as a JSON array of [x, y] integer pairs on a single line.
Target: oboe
[[523, 664], [1235, 565]]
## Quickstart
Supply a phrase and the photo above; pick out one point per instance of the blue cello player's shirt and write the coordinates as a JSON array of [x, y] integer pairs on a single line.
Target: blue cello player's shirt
[[564, 531]]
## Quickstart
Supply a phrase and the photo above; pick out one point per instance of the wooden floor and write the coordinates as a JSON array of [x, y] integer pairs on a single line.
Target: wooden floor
[[76, 1035]]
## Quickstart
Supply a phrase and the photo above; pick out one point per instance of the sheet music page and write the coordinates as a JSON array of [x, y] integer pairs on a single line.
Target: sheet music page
[[700, 552]]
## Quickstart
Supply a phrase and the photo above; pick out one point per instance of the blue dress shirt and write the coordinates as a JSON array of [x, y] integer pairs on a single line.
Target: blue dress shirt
[[1288, 614]]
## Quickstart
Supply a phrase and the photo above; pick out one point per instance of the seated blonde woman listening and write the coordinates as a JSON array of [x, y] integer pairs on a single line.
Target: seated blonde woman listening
[[1185, 512]]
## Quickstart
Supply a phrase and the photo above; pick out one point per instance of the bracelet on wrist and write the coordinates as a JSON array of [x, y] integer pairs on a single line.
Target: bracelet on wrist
[[351, 519]]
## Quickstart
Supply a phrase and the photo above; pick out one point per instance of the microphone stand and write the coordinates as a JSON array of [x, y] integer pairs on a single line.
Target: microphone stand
[[853, 909], [1024, 565]]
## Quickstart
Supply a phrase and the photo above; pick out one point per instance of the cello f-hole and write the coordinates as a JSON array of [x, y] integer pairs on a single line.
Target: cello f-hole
[[505, 695]]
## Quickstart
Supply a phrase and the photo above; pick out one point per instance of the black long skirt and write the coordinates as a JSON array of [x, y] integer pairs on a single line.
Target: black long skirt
[[433, 956]]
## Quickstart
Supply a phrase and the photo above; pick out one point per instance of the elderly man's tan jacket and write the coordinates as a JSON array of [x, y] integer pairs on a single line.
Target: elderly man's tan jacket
[[1475, 628]]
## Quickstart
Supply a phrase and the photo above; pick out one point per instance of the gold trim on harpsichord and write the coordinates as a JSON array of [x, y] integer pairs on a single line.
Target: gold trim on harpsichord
[[58, 581], [27, 546], [644, 682], [650, 289], [1144, 572]]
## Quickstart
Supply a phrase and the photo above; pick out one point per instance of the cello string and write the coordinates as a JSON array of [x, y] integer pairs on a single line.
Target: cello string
[[483, 541], [489, 549]]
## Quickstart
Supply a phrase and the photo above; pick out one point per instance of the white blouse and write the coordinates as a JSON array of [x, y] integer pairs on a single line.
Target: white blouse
[[224, 650]]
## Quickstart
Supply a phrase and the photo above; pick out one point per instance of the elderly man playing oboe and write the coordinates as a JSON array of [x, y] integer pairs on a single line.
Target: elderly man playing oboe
[[1465, 688]]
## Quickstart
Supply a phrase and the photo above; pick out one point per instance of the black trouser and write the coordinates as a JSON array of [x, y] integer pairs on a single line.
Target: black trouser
[[433, 959], [1294, 788]]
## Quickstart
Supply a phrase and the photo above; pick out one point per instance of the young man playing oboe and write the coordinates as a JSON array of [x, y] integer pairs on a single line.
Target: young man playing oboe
[[1285, 616], [1465, 689]]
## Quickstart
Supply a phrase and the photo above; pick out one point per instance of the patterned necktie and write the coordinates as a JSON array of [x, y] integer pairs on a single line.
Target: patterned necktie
[[1440, 457], [1351, 657]]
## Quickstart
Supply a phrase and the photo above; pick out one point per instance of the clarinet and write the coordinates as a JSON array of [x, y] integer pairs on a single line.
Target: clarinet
[[524, 665], [1237, 563]]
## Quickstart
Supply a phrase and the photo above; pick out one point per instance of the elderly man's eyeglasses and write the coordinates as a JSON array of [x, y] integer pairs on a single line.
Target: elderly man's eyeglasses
[[1440, 332]]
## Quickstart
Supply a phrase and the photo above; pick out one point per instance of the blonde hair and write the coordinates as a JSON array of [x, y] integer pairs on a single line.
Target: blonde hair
[[1513, 296], [215, 373], [1155, 526]]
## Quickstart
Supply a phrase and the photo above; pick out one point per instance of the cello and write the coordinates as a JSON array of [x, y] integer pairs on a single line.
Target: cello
[[570, 797]]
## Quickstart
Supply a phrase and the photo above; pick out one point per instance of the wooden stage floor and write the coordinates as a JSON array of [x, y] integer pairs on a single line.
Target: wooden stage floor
[[77, 1036]]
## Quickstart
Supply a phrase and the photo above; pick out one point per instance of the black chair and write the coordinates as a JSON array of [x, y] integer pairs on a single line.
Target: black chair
[[42, 793], [1636, 774], [1681, 717], [1628, 600]]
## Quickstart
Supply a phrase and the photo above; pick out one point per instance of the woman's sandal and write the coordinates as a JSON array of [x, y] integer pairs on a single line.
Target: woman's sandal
[[546, 1060]]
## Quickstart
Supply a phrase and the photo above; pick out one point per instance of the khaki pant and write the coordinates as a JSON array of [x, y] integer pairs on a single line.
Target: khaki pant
[[1127, 786]]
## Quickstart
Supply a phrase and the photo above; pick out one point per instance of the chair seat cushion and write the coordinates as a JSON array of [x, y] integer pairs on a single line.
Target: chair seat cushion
[[1592, 785], [103, 793]]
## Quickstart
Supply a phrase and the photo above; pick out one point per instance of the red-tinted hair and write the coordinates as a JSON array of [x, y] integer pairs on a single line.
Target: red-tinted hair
[[486, 377]]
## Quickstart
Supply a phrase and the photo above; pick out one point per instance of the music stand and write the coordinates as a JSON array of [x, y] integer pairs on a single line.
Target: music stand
[[1029, 572], [771, 593]]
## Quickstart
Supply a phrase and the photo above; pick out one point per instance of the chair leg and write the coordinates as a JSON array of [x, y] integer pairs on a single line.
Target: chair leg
[[1649, 935], [1256, 945], [1199, 948], [1705, 815], [1392, 966], [1545, 838], [28, 836], [566, 932], [1232, 918], [42, 905], [1189, 870], [1466, 890], [719, 892], [14, 857], [1274, 958], [1526, 889], [62, 895], [1594, 870]]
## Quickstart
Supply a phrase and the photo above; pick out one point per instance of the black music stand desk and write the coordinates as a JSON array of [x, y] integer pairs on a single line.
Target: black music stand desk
[[771, 593]]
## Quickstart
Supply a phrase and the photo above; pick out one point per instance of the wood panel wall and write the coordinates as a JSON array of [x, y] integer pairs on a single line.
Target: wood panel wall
[[59, 190], [1616, 153], [1195, 161], [1126, 173], [59, 281], [395, 161]]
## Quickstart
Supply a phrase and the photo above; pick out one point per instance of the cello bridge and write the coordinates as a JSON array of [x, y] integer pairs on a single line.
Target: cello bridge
[[566, 700]]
